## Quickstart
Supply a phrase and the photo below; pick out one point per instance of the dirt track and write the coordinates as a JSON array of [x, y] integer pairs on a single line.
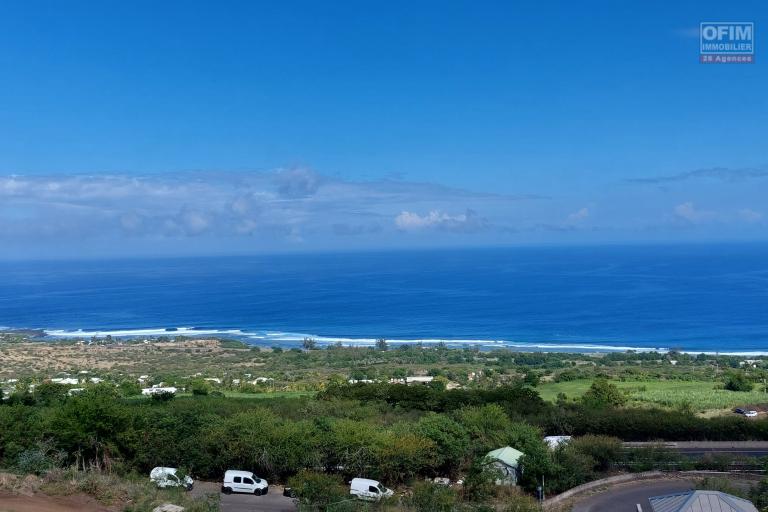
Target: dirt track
[[18, 503]]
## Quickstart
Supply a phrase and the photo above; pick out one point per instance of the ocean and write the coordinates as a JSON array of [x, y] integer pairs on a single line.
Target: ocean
[[697, 298]]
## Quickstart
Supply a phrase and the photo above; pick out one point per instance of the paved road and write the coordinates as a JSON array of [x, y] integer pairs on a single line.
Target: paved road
[[626, 497], [274, 501], [699, 448]]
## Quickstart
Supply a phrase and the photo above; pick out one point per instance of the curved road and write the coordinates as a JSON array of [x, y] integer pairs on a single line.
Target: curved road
[[626, 497]]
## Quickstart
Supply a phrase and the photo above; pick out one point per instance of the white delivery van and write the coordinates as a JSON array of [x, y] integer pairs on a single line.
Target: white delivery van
[[369, 490], [170, 477], [243, 481]]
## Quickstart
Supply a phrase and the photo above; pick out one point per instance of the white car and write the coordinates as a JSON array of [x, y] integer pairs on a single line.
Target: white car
[[170, 477], [751, 414], [369, 490], [243, 481]]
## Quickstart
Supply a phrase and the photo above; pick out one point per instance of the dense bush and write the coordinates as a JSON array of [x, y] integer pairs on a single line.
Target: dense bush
[[602, 450], [394, 433], [603, 394], [737, 381], [199, 387], [429, 497], [40, 459], [316, 491]]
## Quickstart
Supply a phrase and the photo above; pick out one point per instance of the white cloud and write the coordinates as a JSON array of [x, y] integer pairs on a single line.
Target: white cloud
[[464, 222], [281, 206], [578, 216], [750, 216], [297, 183], [689, 212]]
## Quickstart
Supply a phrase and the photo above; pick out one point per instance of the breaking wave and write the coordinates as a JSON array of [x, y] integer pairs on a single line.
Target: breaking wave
[[269, 338]]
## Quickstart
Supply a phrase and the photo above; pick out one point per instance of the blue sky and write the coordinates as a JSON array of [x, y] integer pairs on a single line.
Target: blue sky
[[197, 127]]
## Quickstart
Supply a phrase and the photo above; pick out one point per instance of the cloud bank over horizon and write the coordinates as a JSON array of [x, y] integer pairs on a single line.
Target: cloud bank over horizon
[[301, 209]]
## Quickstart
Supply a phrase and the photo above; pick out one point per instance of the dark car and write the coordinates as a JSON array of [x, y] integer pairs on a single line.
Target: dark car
[[738, 410]]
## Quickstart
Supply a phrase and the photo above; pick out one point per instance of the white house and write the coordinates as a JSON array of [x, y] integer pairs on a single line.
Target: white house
[[555, 441], [69, 381], [425, 379], [155, 390]]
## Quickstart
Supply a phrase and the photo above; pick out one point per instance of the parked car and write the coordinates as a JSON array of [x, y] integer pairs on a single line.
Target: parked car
[[245, 482], [170, 477], [369, 490], [738, 410], [751, 414]]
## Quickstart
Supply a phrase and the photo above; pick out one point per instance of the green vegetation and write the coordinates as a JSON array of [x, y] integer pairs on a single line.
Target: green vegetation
[[134, 493], [675, 394], [392, 432], [737, 381], [293, 416], [602, 393], [316, 491]]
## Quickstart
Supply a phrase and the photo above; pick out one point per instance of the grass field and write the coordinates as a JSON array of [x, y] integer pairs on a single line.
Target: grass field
[[700, 395]]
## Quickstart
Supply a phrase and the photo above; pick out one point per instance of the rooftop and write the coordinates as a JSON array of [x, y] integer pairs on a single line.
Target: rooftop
[[700, 501]]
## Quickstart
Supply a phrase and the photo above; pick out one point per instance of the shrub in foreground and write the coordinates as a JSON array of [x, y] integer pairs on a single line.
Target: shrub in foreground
[[316, 491]]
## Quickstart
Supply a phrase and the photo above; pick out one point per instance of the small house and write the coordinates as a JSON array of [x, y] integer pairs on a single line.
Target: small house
[[506, 461]]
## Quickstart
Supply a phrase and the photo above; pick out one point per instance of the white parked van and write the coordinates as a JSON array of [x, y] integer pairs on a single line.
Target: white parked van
[[369, 490], [170, 477], [244, 481]]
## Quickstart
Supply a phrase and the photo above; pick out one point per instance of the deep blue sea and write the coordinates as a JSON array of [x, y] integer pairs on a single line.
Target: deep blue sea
[[697, 298]]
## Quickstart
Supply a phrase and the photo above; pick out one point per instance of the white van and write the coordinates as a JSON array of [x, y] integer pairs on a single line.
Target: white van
[[244, 481], [169, 477], [369, 490]]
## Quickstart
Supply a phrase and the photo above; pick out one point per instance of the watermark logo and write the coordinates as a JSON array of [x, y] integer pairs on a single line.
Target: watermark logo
[[727, 42]]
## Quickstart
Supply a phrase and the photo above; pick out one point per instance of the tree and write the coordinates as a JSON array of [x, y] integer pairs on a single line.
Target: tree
[[200, 387], [337, 380], [309, 344], [163, 396], [400, 456], [450, 438], [129, 388], [489, 427], [439, 383], [381, 344], [89, 422], [480, 482], [316, 491], [50, 393], [604, 450], [737, 381], [603, 394], [531, 378], [570, 467]]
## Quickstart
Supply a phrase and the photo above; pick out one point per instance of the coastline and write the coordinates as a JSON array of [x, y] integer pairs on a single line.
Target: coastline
[[293, 339]]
